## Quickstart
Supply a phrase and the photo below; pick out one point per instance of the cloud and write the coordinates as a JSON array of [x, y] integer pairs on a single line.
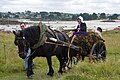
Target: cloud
[[70, 6]]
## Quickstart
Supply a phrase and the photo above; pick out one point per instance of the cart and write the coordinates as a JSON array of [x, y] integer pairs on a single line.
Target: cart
[[91, 46]]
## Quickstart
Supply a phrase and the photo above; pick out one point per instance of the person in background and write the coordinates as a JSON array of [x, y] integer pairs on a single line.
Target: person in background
[[99, 31], [81, 29], [22, 27]]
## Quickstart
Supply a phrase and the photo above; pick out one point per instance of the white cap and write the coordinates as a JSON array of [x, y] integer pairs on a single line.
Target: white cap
[[80, 17]]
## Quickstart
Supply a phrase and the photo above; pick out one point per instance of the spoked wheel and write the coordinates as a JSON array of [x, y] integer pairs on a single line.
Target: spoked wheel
[[98, 52]]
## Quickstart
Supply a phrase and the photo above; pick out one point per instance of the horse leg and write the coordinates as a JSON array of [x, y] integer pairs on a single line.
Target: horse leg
[[68, 64], [61, 63], [29, 70], [51, 71], [71, 59], [75, 60], [83, 57]]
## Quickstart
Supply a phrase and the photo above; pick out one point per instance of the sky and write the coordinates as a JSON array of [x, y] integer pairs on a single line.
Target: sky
[[65, 6]]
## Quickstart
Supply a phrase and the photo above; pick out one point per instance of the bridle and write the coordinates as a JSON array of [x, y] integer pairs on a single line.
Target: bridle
[[26, 46], [24, 42]]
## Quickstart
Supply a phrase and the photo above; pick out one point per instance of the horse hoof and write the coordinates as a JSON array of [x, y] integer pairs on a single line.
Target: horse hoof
[[69, 67], [29, 77], [76, 63], [60, 72], [50, 74]]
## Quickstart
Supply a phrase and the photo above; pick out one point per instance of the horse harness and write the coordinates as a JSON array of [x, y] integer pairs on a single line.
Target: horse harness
[[43, 38]]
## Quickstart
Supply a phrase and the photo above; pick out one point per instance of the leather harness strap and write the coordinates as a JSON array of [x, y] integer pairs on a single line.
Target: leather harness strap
[[42, 37]]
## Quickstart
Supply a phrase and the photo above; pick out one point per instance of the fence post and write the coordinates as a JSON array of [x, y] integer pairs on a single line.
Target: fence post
[[116, 56], [5, 53]]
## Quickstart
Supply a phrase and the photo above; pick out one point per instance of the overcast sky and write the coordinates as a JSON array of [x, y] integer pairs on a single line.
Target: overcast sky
[[67, 6]]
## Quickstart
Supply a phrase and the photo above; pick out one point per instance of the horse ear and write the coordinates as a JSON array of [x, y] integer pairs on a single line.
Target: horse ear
[[14, 32]]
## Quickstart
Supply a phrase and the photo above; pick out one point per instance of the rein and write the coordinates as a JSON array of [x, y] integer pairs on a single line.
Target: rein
[[56, 44]]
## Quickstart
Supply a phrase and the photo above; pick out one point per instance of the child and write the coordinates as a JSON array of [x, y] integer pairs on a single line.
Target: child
[[99, 31], [81, 28]]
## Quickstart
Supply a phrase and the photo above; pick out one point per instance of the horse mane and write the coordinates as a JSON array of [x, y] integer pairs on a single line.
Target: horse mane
[[31, 34]]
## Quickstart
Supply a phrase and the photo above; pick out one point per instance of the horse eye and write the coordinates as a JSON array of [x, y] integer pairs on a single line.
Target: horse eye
[[17, 41]]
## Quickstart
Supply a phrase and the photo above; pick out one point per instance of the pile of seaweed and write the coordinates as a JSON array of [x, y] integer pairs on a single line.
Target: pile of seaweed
[[86, 42]]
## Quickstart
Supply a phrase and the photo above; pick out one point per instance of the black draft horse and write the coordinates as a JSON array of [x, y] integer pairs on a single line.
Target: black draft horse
[[28, 37]]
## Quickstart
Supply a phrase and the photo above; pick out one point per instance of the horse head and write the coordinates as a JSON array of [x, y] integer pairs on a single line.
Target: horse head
[[22, 43]]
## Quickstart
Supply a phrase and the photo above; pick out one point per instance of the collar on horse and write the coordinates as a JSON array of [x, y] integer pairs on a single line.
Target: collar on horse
[[41, 40]]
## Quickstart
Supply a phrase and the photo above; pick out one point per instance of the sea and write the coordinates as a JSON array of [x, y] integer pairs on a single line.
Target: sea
[[66, 25]]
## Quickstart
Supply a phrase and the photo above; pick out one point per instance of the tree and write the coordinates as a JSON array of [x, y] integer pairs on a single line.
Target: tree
[[94, 16], [27, 12], [74, 17], [44, 15], [86, 16], [9, 13], [0, 15], [58, 14], [114, 16], [16, 16], [102, 16], [51, 17]]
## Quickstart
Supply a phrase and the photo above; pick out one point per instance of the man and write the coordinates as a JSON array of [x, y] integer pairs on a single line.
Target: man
[[99, 31], [22, 27]]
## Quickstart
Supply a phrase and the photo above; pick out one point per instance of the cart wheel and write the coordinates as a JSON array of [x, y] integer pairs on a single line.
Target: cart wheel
[[98, 52]]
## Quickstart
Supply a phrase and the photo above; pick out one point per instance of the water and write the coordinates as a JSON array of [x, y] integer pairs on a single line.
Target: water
[[90, 24], [68, 24]]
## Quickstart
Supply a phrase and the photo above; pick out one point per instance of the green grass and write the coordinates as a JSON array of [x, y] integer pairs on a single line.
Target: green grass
[[12, 68]]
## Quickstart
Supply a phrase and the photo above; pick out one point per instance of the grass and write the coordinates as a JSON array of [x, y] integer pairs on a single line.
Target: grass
[[12, 68]]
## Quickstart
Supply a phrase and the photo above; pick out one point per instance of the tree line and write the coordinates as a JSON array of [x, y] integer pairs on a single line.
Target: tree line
[[53, 16]]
